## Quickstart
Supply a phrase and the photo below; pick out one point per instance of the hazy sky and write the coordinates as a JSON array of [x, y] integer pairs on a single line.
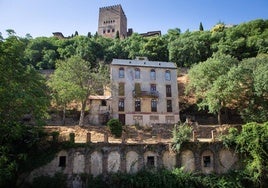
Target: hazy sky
[[42, 17]]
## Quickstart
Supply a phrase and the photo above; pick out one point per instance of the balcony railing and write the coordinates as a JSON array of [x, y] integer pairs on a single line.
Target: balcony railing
[[149, 94]]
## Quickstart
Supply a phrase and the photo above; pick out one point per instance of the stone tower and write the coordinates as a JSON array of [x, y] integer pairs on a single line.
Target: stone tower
[[111, 20]]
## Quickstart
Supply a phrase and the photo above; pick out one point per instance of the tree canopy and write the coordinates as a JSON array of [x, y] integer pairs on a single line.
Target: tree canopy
[[23, 94], [75, 79]]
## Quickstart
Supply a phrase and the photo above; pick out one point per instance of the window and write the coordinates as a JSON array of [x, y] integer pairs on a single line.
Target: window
[[121, 72], [153, 87], [103, 31], [206, 161], [121, 105], [121, 89], [169, 106], [108, 31], [137, 105], [150, 161], [167, 75], [152, 74], [168, 90], [103, 103], [62, 161], [137, 90], [113, 30], [137, 73], [153, 105]]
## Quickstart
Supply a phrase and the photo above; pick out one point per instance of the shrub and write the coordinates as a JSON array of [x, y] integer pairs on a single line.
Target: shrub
[[59, 180], [115, 127], [181, 133]]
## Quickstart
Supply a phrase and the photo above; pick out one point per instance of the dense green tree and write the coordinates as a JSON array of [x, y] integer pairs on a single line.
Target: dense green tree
[[155, 49], [42, 53], [22, 92], [74, 79], [116, 51], [206, 81], [249, 88], [190, 48], [133, 45]]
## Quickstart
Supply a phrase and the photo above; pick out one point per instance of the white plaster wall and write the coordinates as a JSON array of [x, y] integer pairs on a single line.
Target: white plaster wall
[[79, 163], [169, 160], [113, 161], [132, 161], [227, 160], [187, 161], [96, 163], [145, 82]]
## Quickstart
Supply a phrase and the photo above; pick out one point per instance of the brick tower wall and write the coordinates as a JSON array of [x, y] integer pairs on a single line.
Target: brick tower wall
[[111, 20]]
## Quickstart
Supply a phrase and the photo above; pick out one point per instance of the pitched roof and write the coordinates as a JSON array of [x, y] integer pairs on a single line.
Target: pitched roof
[[143, 63]]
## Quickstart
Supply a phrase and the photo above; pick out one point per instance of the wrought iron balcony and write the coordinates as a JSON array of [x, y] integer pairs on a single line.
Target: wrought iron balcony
[[149, 94]]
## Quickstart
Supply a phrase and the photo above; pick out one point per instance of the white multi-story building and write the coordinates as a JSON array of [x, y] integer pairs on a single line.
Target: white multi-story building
[[144, 92]]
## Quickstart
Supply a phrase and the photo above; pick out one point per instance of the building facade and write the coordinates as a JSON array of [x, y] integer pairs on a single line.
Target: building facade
[[112, 19], [144, 92]]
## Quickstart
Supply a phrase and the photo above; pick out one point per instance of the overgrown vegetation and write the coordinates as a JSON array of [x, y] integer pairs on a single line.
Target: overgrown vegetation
[[59, 180], [115, 127], [154, 178], [252, 143], [181, 133]]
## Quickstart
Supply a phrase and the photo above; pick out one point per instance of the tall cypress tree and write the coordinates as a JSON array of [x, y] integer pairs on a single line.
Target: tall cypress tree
[[201, 28]]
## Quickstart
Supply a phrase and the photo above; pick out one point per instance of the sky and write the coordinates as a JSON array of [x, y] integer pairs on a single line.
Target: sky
[[43, 17]]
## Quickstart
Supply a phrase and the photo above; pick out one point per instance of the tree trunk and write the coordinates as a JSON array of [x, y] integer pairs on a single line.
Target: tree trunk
[[219, 117], [64, 114], [82, 114]]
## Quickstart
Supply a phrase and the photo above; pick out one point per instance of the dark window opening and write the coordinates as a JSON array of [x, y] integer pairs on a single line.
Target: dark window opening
[[207, 161], [62, 161], [113, 30], [168, 90], [169, 106], [150, 161], [108, 31], [121, 105], [154, 105], [153, 87], [103, 103], [103, 31], [137, 105]]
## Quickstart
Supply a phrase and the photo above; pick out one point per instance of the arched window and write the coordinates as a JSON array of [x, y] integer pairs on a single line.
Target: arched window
[[137, 73], [168, 75], [153, 74], [121, 72]]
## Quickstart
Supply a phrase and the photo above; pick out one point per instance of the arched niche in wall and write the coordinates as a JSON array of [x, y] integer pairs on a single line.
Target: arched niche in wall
[[114, 161], [96, 163], [187, 160], [169, 160], [132, 159]]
